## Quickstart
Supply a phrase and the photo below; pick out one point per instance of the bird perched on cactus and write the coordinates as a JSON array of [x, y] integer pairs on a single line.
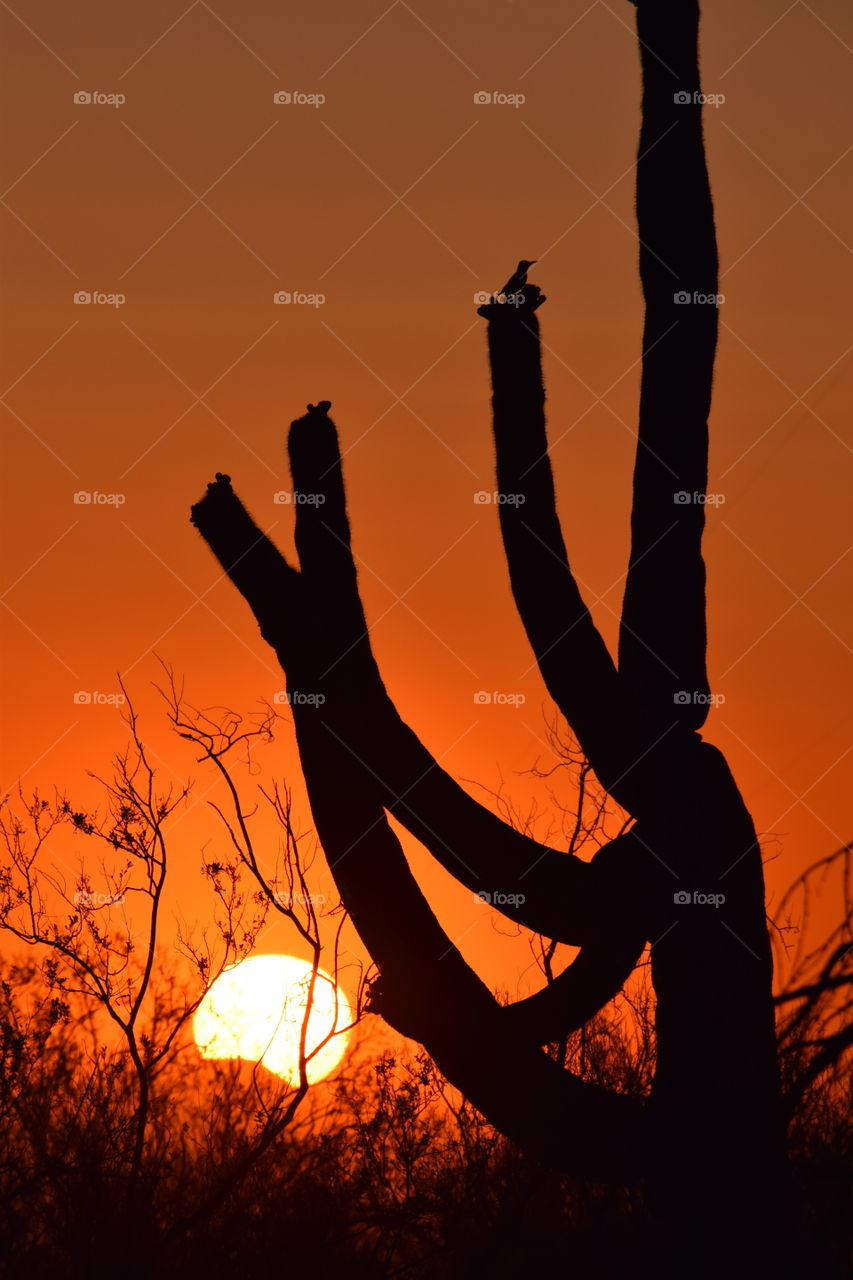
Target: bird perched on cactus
[[518, 279]]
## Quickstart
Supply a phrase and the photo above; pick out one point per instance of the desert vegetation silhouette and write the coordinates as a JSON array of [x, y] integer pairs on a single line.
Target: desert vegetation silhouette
[[686, 876], [121, 1145], [100, 1076]]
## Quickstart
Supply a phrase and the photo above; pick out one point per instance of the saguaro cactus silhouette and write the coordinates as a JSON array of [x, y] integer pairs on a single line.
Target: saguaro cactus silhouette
[[708, 1137]]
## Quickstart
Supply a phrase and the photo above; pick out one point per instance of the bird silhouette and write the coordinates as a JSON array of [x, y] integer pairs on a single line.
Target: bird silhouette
[[518, 279]]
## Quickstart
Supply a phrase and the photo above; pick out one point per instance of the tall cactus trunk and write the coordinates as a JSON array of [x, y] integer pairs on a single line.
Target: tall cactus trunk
[[716, 1088], [718, 1171]]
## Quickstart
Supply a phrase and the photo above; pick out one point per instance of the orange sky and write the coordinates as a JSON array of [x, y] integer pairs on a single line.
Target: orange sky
[[199, 197]]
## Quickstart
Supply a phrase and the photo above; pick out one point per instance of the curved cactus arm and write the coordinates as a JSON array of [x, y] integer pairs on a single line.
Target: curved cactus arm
[[314, 622], [662, 639], [428, 992], [256, 567], [628, 899], [597, 974], [577, 668]]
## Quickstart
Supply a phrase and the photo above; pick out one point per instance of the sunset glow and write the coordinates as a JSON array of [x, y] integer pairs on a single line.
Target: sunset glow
[[426, 841]]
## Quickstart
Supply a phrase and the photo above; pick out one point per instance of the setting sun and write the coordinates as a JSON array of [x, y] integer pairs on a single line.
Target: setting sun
[[255, 1011]]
